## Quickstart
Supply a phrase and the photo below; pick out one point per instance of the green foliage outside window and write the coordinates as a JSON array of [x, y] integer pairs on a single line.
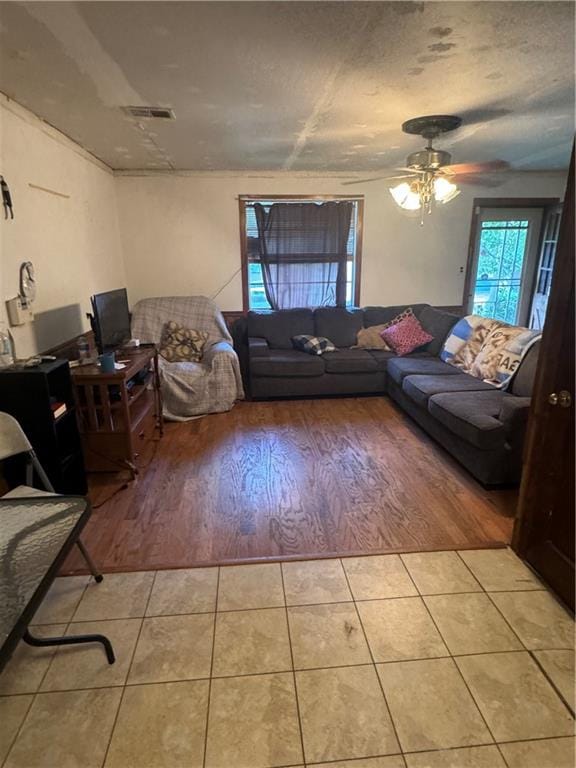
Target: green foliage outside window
[[499, 273]]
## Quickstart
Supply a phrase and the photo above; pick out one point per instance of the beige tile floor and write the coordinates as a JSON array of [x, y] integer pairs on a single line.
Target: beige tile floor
[[428, 660]]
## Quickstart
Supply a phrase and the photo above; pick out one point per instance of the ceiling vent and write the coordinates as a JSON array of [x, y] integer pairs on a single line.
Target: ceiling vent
[[156, 113]]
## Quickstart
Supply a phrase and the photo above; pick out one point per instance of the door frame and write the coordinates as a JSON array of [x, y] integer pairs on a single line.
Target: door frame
[[545, 203], [529, 539]]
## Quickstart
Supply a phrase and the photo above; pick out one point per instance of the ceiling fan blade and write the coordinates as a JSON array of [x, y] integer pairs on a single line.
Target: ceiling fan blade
[[375, 178], [362, 181], [490, 166], [480, 181]]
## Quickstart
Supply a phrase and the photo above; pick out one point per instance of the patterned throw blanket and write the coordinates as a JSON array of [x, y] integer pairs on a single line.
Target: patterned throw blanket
[[192, 389], [488, 349]]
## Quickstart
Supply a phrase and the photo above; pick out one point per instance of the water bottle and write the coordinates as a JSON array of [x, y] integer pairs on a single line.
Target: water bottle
[[83, 348], [6, 347]]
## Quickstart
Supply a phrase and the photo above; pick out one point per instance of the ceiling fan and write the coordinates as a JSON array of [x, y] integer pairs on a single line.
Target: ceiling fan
[[431, 171]]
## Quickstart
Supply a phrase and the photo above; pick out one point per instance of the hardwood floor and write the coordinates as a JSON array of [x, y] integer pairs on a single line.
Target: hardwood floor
[[288, 479]]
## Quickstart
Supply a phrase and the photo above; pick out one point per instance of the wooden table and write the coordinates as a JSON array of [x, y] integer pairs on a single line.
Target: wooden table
[[118, 411]]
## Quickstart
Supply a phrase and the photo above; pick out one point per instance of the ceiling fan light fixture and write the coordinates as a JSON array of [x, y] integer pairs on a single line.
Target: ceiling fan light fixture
[[429, 159], [444, 190], [405, 197]]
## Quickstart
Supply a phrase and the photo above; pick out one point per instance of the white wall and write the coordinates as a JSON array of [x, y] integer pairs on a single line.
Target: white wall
[[180, 234], [73, 241]]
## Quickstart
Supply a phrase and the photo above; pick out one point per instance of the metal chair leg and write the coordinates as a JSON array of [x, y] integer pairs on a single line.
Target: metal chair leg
[[89, 562], [42, 642], [34, 464], [41, 473]]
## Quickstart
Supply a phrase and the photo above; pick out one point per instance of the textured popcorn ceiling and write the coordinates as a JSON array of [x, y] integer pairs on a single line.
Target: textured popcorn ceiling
[[301, 86]]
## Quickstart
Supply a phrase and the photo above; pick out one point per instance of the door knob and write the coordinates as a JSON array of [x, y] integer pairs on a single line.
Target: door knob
[[563, 398]]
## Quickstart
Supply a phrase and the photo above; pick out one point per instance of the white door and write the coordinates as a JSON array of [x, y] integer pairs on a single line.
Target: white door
[[504, 263]]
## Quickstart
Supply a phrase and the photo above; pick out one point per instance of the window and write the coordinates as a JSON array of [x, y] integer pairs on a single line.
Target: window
[[545, 268], [501, 254], [503, 258], [303, 277]]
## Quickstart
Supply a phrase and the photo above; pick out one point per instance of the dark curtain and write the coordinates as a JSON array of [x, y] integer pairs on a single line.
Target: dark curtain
[[302, 251]]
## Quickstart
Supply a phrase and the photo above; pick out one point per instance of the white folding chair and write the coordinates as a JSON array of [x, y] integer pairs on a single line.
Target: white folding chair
[[14, 442]]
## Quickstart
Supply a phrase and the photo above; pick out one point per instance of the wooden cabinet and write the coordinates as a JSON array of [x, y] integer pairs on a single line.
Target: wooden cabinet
[[118, 411], [30, 395]]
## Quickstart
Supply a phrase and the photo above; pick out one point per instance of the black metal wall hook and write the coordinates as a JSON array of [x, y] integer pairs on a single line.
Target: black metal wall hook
[[6, 199]]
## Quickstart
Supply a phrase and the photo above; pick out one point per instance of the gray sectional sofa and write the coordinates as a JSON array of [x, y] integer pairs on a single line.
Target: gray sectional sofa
[[482, 427]]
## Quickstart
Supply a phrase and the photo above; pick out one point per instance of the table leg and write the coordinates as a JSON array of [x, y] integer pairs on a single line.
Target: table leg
[[158, 395], [89, 562], [42, 642]]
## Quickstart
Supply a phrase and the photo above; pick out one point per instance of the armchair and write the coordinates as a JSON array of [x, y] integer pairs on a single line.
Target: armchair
[[192, 389]]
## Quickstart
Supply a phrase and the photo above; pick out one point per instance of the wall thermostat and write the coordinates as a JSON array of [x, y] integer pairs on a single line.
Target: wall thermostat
[[19, 311]]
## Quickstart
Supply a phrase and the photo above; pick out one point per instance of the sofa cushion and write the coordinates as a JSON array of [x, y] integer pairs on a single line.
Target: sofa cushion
[[399, 367], [438, 324], [339, 324], [289, 362], [523, 380], [258, 347], [473, 416], [350, 361], [420, 388], [379, 315], [279, 327], [382, 356]]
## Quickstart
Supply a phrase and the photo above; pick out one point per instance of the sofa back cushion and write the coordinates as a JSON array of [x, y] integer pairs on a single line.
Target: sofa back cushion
[[523, 379], [338, 324], [438, 324], [279, 327], [380, 315]]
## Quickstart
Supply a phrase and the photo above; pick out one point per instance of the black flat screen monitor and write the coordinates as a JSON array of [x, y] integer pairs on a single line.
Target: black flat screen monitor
[[111, 318]]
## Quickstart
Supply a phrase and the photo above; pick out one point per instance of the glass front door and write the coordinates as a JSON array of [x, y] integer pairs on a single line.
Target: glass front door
[[505, 261]]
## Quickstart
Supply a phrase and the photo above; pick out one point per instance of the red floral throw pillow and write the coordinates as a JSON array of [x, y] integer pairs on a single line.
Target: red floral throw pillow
[[406, 336]]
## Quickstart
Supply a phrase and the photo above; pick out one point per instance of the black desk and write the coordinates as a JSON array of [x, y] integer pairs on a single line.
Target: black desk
[[36, 534]]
